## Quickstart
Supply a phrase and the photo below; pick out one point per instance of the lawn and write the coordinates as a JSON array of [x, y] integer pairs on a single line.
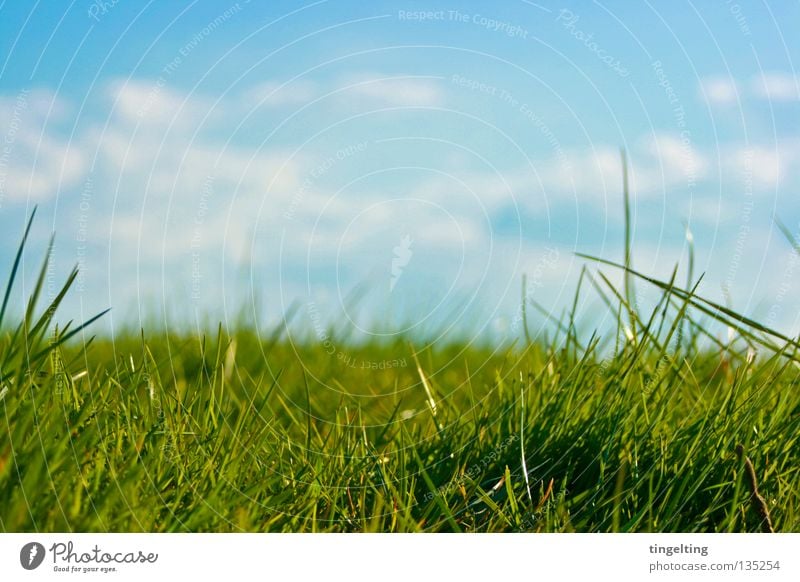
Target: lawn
[[243, 430]]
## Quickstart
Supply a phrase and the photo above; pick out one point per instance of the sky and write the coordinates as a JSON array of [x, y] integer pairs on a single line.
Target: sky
[[397, 167]]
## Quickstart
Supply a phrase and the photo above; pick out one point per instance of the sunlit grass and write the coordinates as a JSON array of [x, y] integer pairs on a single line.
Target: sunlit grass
[[245, 431]]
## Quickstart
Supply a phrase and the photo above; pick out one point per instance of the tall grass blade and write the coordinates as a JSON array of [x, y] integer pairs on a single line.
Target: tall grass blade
[[15, 267]]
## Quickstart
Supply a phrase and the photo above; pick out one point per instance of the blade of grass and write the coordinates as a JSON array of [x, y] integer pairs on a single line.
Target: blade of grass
[[15, 267]]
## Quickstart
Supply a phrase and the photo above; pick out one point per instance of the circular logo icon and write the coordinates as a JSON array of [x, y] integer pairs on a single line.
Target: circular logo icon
[[31, 555]]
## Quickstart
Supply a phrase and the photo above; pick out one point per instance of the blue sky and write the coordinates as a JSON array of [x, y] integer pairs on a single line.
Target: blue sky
[[397, 164]]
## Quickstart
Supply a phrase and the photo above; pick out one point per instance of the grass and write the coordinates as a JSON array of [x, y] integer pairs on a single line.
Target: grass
[[657, 428]]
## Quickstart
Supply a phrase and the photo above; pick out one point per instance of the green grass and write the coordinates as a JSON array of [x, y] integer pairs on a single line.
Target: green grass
[[242, 430]]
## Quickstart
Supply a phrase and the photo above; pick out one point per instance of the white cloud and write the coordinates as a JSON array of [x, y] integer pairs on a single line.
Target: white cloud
[[154, 103], [36, 104], [677, 158], [768, 167], [35, 163], [164, 212], [119, 152], [709, 211], [196, 194], [765, 167], [588, 174], [275, 94], [393, 91], [776, 86], [719, 90], [656, 163]]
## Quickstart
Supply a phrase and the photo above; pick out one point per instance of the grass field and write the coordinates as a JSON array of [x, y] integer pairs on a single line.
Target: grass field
[[242, 430]]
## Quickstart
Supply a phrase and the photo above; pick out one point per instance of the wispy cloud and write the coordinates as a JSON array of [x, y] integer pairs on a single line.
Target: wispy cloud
[[185, 204], [393, 91], [773, 86], [719, 90], [676, 160], [35, 162], [776, 86], [147, 103], [275, 94], [766, 167], [657, 162]]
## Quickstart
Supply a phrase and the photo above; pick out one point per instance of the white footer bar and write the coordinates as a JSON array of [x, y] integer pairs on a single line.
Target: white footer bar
[[396, 557]]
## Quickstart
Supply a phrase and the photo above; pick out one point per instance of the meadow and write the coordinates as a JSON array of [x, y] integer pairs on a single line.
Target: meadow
[[658, 427]]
